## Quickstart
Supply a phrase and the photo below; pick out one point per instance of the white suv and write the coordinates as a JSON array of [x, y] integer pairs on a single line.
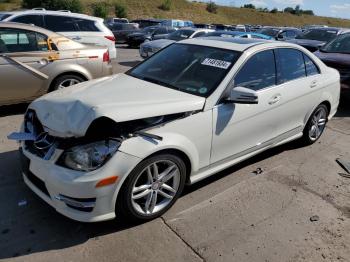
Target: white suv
[[81, 28]]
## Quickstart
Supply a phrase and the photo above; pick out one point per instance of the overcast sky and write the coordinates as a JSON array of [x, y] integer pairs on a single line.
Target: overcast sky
[[335, 8]]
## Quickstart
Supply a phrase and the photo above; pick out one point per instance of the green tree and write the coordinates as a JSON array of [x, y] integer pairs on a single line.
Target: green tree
[[100, 9], [212, 7], [166, 5], [274, 11], [289, 10], [250, 6], [120, 10], [71, 5], [308, 12]]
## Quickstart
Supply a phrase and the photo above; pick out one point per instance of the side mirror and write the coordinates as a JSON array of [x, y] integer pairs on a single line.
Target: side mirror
[[242, 95], [280, 37]]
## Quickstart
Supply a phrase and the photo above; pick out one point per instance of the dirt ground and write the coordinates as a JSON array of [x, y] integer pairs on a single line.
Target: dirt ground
[[297, 209]]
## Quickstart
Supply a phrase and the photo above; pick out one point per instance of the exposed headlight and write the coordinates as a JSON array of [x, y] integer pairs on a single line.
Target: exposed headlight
[[90, 156]]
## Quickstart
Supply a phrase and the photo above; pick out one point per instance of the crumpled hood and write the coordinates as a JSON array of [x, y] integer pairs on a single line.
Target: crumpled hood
[[70, 111], [159, 44]]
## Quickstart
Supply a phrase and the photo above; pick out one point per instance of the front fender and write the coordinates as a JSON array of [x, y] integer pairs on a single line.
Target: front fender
[[143, 147]]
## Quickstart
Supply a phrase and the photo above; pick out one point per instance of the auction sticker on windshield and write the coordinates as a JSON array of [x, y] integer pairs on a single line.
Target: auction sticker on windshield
[[216, 63]]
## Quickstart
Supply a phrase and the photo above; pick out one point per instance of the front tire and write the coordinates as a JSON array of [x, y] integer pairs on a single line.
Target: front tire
[[152, 188], [316, 125]]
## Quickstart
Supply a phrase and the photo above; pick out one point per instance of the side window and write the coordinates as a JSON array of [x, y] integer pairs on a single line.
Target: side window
[[311, 68], [291, 34], [160, 31], [290, 65], [86, 25], [15, 40], [259, 72], [30, 19], [57, 23]]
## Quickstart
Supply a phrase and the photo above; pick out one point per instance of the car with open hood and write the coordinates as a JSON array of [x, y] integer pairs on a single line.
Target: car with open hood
[[127, 144], [315, 38], [35, 61]]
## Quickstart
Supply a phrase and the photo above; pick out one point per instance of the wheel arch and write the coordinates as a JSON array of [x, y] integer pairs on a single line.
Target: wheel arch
[[79, 74]]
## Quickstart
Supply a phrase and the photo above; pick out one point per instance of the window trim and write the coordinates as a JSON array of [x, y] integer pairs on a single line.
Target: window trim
[[251, 56], [29, 31]]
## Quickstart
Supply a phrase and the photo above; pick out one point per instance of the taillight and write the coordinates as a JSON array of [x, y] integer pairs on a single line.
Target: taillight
[[106, 57], [112, 38]]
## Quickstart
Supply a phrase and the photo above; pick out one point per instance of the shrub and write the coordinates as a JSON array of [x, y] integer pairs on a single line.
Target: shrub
[[166, 5], [100, 9], [274, 11], [120, 10], [72, 5], [212, 7]]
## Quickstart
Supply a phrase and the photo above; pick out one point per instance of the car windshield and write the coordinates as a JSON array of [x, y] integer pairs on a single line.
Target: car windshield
[[4, 16], [319, 35], [188, 68], [180, 34], [269, 31], [149, 30], [339, 45]]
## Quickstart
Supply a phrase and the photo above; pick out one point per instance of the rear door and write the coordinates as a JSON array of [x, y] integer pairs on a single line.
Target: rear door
[[300, 80], [28, 48]]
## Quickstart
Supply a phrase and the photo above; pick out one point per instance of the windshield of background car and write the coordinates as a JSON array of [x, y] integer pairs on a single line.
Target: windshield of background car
[[188, 68], [339, 45], [269, 32], [3, 16], [319, 35], [149, 30], [181, 34]]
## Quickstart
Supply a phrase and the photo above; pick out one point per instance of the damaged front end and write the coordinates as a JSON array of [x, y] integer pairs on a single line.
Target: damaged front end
[[101, 141]]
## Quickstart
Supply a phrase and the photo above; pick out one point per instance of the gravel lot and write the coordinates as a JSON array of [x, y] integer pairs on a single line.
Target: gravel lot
[[236, 215]]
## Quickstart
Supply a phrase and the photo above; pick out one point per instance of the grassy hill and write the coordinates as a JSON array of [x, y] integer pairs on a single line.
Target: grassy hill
[[197, 12]]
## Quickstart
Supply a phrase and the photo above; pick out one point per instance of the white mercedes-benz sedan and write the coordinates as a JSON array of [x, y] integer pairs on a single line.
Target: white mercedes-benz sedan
[[126, 145]]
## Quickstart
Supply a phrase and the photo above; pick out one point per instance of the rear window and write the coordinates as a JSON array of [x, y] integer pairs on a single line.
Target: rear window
[[3, 16], [60, 23], [86, 25]]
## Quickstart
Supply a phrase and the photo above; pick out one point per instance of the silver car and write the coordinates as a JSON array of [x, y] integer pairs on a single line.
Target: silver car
[[34, 61]]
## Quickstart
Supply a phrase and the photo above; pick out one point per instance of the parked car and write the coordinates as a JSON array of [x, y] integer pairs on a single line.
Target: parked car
[[126, 145], [115, 20], [207, 26], [336, 54], [177, 23], [280, 33], [122, 30], [147, 22], [237, 34], [78, 27], [34, 61], [149, 48], [317, 37], [147, 34]]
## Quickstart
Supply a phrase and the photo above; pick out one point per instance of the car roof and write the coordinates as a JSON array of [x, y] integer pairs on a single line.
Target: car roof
[[49, 12], [236, 44], [28, 27]]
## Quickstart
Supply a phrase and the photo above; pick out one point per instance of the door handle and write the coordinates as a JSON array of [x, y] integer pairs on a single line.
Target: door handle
[[313, 84], [275, 99], [76, 38]]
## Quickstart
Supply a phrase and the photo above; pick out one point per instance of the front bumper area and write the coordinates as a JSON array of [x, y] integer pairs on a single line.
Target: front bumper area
[[73, 193]]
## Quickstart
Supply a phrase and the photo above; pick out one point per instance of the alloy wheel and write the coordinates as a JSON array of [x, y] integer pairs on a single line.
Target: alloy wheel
[[68, 82], [155, 187], [318, 124]]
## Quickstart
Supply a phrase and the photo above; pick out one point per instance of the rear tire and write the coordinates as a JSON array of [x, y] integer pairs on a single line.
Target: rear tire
[[315, 125], [148, 194], [66, 81]]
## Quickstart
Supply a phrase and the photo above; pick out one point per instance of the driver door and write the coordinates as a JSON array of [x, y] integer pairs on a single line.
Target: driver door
[[240, 129]]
